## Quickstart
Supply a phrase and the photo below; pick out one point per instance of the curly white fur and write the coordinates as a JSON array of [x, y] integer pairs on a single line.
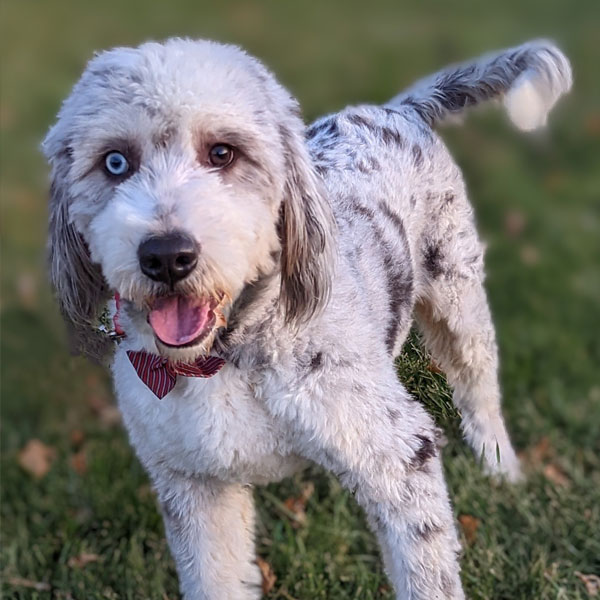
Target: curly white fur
[[325, 242]]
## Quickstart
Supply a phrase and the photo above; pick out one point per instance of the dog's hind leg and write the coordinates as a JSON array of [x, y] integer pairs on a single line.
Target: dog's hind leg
[[454, 317]]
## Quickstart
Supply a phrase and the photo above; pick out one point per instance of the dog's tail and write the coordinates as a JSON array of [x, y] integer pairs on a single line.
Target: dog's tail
[[530, 78]]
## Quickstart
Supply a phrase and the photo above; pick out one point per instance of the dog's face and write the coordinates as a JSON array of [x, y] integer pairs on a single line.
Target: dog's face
[[179, 177]]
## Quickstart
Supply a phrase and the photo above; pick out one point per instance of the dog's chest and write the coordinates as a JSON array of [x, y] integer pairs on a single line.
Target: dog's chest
[[216, 426]]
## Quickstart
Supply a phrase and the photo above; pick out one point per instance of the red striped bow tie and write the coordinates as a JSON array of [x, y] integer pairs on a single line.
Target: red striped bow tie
[[160, 375]]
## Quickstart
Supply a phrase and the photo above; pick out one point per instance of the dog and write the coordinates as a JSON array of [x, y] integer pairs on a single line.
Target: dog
[[267, 274]]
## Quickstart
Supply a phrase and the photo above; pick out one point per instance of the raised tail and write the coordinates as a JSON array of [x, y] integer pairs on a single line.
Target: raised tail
[[530, 78]]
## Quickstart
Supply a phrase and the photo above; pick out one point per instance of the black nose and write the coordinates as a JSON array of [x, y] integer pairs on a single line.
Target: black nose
[[168, 258]]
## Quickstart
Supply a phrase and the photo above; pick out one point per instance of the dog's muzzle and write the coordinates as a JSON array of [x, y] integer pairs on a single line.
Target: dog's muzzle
[[177, 319]]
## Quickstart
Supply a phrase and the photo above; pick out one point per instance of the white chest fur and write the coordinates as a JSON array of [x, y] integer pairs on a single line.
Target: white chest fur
[[217, 426]]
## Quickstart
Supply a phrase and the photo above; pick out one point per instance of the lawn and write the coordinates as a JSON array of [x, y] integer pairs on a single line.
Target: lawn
[[86, 526]]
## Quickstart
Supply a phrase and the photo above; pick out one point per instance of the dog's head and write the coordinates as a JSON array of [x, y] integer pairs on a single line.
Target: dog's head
[[179, 176]]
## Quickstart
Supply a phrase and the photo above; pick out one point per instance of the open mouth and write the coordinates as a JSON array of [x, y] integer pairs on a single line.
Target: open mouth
[[183, 321]]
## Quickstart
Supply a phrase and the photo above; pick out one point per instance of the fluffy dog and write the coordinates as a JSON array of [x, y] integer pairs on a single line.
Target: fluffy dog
[[268, 274]]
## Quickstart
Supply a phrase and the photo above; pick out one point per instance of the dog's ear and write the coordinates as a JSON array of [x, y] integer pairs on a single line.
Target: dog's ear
[[79, 284], [306, 228]]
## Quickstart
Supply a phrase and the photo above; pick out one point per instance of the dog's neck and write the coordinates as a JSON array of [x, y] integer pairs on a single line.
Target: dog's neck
[[254, 318]]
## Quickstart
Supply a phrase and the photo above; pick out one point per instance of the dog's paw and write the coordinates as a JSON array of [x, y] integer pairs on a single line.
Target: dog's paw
[[504, 465]]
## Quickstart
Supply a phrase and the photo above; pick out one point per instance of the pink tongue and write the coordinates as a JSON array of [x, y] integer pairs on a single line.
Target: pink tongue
[[178, 320]]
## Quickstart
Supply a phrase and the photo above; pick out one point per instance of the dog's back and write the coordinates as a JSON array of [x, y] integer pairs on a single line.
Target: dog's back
[[406, 233]]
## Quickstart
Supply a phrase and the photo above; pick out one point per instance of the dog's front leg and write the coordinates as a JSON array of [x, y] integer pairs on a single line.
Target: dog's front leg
[[210, 529], [382, 446]]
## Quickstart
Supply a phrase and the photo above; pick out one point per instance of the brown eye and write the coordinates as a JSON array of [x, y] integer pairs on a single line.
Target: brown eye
[[221, 155]]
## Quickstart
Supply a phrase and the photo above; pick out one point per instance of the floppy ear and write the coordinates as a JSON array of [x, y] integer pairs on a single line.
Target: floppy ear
[[306, 229], [79, 284]]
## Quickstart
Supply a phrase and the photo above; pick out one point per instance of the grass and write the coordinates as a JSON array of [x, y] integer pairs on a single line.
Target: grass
[[543, 282]]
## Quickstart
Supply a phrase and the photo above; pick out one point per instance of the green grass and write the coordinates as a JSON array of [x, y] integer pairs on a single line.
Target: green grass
[[543, 282]]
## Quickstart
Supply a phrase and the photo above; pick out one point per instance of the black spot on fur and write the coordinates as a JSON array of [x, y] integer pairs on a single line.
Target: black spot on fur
[[367, 212], [393, 414], [394, 218], [358, 389], [449, 198], [316, 361], [136, 78], [420, 110], [391, 136], [332, 129], [362, 167], [401, 289], [390, 112], [367, 164], [373, 163], [426, 450], [417, 156], [399, 277], [325, 128], [433, 258], [313, 131], [427, 531], [447, 585], [360, 121]]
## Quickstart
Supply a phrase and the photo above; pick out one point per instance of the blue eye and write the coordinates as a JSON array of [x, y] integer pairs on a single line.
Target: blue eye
[[116, 163]]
